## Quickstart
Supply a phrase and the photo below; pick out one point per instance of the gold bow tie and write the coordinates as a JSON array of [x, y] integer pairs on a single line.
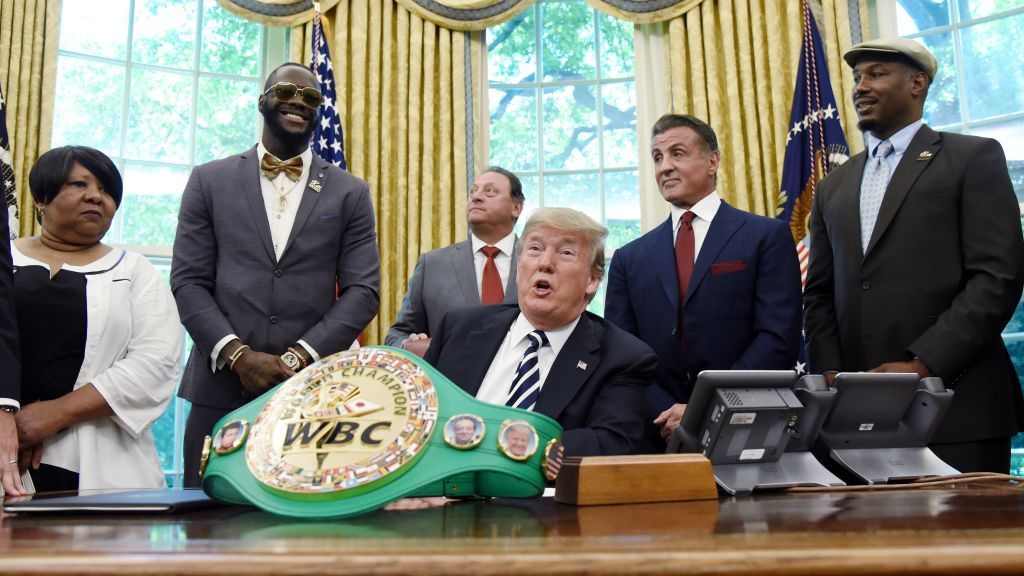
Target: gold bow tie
[[271, 166]]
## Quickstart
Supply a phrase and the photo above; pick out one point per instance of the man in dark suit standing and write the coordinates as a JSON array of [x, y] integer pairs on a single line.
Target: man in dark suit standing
[[548, 354], [480, 270], [10, 373], [917, 260], [264, 241], [712, 288]]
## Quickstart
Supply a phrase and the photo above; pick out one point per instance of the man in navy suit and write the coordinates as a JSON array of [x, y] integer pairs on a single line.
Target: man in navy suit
[[712, 288], [10, 376], [547, 353]]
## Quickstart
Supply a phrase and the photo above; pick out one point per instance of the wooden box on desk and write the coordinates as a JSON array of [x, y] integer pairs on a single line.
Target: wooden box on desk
[[633, 479]]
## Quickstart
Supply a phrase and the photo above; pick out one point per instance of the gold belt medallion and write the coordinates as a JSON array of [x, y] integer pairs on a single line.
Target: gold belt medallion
[[346, 422]]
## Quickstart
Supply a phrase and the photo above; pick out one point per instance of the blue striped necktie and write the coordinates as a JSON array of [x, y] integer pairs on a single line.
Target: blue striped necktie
[[526, 386]]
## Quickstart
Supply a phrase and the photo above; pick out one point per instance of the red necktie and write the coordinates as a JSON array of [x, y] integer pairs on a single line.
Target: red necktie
[[684, 254], [490, 288]]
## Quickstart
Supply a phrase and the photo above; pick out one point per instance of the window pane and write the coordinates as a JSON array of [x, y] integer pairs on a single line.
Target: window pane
[[570, 132], [943, 104], [980, 8], [532, 194], [227, 118], [159, 116], [621, 209], [619, 124], [992, 69], [230, 45], [95, 27], [568, 40], [149, 210], [514, 128], [89, 98], [165, 32], [578, 191], [616, 47], [510, 50], [917, 15]]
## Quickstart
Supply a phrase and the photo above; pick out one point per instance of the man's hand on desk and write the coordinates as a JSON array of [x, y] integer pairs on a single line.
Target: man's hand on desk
[[417, 344], [913, 366], [10, 478], [670, 419]]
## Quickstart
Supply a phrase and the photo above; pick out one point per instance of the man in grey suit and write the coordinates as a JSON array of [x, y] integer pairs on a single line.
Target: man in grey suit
[[925, 276], [481, 270], [275, 261]]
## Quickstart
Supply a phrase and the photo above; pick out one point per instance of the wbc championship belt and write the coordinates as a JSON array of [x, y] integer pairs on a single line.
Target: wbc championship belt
[[364, 427]]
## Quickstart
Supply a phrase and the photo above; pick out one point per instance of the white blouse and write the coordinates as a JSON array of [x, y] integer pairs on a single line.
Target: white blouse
[[132, 356]]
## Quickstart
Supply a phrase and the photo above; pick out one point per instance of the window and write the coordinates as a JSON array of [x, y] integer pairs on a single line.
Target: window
[[159, 86], [563, 113], [979, 90]]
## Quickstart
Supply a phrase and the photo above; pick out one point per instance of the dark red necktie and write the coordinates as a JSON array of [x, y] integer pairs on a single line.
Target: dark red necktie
[[684, 254], [490, 288]]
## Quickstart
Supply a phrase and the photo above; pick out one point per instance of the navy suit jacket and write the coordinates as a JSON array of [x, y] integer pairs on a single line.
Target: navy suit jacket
[[594, 388], [742, 307], [10, 355]]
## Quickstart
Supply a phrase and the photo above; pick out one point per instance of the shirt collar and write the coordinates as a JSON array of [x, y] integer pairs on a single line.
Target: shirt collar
[[306, 155], [506, 244], [556, 337], [705, 209], [900, 140]]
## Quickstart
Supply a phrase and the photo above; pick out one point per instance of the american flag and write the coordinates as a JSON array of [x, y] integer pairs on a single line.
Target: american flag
[[328, 139], [815, 145], [7, 172]]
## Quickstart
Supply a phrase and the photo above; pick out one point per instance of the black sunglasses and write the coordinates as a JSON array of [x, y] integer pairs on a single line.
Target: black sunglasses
[[285, 91]]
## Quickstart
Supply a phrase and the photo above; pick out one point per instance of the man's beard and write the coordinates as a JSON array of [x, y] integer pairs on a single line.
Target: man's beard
[[272, 120]]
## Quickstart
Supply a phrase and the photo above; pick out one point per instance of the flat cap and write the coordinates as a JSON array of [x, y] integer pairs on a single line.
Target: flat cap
[[911, 49]]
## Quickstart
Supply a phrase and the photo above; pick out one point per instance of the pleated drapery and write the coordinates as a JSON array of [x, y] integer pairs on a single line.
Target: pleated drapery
[[29, 32]]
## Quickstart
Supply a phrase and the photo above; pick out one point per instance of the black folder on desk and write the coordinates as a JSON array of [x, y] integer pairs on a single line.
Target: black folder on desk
[[156, 501]]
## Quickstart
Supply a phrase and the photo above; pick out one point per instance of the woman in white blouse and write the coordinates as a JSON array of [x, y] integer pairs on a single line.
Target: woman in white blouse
[[99, 331]]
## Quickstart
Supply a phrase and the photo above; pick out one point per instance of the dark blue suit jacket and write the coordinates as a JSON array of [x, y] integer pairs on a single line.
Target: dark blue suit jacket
[[10, 355], [594, 388], [742, 307]]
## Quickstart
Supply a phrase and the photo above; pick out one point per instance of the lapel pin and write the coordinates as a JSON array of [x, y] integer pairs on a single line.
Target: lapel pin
[[320, 175], [581, 365], [925, 156], [315, 185]]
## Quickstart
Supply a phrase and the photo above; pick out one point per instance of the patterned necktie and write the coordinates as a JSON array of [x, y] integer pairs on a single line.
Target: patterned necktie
[[271, 166], [526, 386], [490, 287], [872, 191]]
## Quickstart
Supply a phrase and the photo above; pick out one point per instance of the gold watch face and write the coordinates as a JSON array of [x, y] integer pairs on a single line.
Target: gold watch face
[[355, 418]]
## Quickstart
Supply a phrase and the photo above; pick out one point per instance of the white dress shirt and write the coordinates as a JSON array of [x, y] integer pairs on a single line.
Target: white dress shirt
[[281, 220], [497, 383], [503, 260], [704, 212]]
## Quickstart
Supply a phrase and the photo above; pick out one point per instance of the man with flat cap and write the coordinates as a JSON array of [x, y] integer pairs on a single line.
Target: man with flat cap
[[917, 258]]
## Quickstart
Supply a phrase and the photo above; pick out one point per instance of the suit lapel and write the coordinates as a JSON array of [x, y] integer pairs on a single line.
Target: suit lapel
[[310, 197], [485, 341], [723, 227], [907, 171], [511, 290], [465, 272], [660, 246], [575, 363], [253, 192], [848, 205]]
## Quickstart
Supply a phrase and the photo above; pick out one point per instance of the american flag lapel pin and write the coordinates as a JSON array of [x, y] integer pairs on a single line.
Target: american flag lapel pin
[[581, 365]]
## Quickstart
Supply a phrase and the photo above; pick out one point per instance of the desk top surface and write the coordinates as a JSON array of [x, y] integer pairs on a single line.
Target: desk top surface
[[973, 529]]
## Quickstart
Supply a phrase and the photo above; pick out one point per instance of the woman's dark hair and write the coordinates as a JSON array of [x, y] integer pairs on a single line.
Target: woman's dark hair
[[51, 171]]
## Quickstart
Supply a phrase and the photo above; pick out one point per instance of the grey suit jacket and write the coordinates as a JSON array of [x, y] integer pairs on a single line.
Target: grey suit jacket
[[226, 279], [443, 280], [941, 277]]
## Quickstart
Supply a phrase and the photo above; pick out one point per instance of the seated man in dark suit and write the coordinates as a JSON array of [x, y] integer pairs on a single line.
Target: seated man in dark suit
[[548, 354]]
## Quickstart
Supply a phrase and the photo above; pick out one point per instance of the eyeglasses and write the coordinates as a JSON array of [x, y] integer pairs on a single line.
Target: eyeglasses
[[285, 91]]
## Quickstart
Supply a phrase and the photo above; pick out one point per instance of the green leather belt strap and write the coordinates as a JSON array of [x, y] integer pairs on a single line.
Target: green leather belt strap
[[365, 427]]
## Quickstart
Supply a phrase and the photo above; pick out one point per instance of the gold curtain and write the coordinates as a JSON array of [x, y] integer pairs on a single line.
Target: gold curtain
[[29, 31], [733, 63], [644, 11], [402, 97]]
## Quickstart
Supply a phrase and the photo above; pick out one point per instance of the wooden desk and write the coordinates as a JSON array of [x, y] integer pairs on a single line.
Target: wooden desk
[[975, 529]]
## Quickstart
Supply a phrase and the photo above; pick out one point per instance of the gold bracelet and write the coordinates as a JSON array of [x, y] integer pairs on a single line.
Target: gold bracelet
[[236, 355], [299, 355]]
